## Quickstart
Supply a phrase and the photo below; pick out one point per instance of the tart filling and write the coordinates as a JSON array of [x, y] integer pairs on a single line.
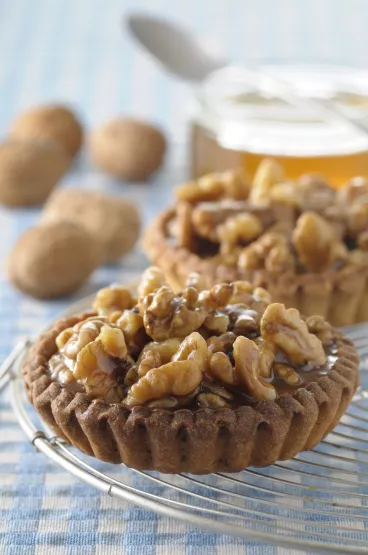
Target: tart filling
[[273, 224], [224, 347]]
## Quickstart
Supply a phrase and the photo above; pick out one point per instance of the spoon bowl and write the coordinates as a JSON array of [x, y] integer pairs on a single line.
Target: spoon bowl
[[176, 49]]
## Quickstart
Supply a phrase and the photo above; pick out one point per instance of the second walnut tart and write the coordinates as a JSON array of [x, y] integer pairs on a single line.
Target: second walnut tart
[[304, 241]]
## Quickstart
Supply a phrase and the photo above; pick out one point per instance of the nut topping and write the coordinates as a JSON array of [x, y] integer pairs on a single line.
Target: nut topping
[[285, 193], [194, 347], [352, 191], [270, 227], [174, 378], [211, 401], [131, 324], [222, 343], [210, 348], [247, 357], [112, 299], [315, 193], [152, 279], [231, 184], [72, 340], [216, 323], [238, 229], [207, 217], [269, 173], [165, 403], [165, 349], [150, 359], [288, 374], [362, 241], [217, 390], [319, 327], [314, 240], [222, 369], [284, 329], [166, 315], [197, 281], [206, 188], [185, 234], [271, 250], [113, 342]]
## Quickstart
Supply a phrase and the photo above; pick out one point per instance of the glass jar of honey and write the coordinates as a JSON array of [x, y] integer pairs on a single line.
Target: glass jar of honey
[[237, 122]]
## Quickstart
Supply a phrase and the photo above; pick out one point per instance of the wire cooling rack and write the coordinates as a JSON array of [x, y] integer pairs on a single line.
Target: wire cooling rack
[[317, 501]]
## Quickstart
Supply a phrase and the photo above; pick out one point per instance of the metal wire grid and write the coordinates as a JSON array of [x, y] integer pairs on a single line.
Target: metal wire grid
[[317, 501]]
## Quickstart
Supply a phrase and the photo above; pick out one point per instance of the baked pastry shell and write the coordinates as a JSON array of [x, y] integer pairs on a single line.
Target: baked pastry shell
[[197, 441], [340, 296]]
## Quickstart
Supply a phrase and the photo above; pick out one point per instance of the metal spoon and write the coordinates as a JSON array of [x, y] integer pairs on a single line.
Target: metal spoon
[[175, 48], [183, 55]]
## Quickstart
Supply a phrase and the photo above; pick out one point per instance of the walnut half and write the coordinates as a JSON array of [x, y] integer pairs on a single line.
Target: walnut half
[[269, 172], [247, 356], [169, 315], [242, 228], [179, 377], [285, 329], [316, 242]]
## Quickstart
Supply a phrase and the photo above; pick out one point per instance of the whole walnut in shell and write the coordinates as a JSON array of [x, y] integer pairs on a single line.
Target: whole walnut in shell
[[55, 123], [128, 148], [28, 171], [54, 259], [114, 221]]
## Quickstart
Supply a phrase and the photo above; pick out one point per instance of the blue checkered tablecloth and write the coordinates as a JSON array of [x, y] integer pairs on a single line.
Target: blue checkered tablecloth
[[74, 50]]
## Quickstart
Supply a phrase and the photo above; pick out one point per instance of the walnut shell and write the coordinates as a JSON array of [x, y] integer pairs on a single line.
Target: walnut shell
[[54, 259], [55, 123], [113, 220], [28, 171], [127, 148]]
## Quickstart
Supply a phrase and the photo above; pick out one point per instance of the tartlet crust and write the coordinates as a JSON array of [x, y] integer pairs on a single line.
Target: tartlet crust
[[340, 296], [197, 441]]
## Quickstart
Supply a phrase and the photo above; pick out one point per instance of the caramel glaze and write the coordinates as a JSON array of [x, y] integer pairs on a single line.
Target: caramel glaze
[[307, 373]]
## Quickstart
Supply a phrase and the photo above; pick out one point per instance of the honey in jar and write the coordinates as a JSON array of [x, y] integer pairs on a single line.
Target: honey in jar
[[237, 123]]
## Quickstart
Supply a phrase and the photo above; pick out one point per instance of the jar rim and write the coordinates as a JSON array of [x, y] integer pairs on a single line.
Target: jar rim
[[273, 127]]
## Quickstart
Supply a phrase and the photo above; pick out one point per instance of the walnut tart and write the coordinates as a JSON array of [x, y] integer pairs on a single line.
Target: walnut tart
[[198, 381], [304, 241]]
